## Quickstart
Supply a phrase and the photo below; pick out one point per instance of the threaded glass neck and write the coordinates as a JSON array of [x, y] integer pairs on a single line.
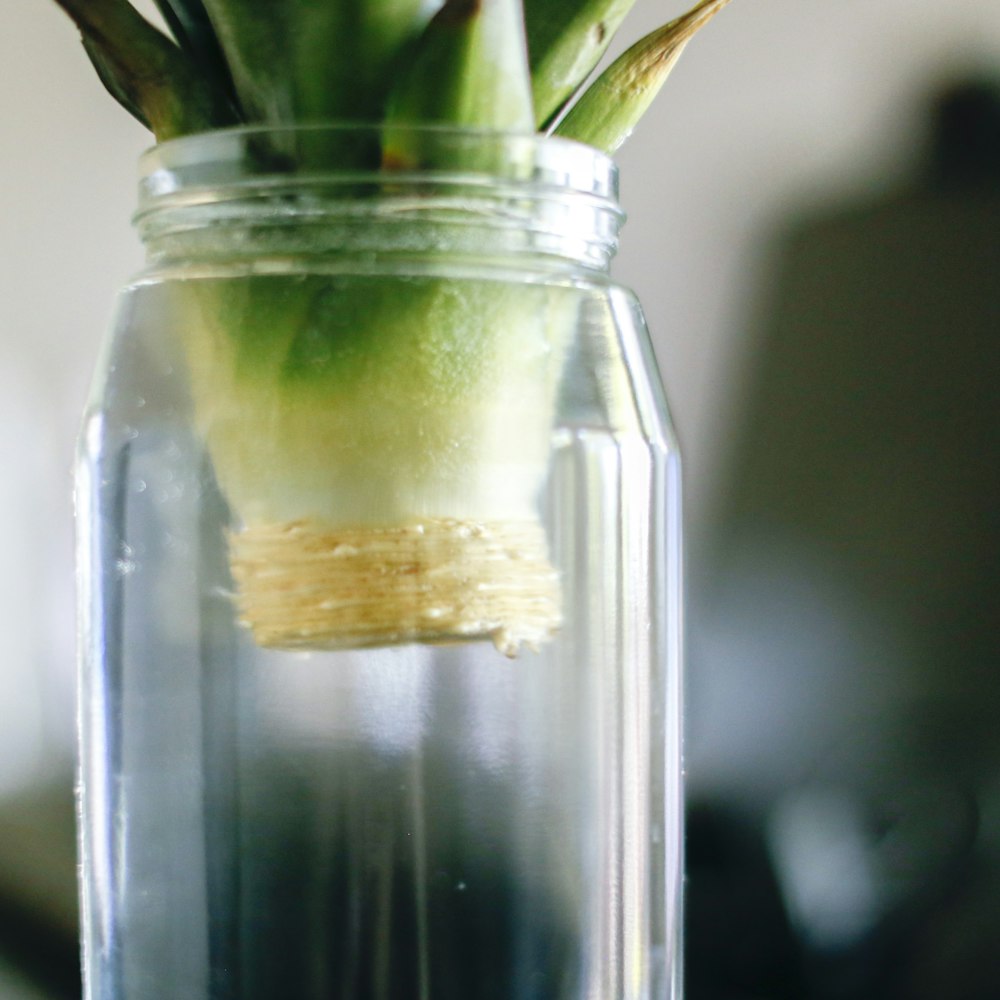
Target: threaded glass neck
[[346, 191]]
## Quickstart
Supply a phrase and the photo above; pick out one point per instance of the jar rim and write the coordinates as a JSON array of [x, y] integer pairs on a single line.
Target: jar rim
[[464, 189], [350, 151]]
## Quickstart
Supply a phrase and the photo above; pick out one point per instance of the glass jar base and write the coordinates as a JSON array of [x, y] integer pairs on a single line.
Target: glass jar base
[[307, 585]]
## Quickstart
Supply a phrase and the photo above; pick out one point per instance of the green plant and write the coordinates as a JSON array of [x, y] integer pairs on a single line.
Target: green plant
[[486, 63], [440, 547]]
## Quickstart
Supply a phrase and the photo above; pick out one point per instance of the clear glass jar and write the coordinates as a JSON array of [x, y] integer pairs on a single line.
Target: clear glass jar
[[379, 535]]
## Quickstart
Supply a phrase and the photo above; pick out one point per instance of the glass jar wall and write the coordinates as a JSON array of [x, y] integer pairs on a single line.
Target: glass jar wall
[[380, 582]]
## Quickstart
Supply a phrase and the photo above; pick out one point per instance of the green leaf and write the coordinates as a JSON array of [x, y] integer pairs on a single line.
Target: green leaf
[[115, 87], [566, 39], [187, 20], [145, 71], [610, 108], [305, 61], [469, 68], [190, 25]]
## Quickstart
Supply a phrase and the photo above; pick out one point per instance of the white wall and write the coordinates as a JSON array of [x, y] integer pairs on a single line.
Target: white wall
[[780, 103]]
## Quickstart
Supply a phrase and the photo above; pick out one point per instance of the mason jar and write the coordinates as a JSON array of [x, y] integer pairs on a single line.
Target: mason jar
[[379, 546]]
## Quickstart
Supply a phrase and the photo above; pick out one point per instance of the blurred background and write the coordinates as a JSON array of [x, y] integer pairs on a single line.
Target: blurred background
[[815, 235]]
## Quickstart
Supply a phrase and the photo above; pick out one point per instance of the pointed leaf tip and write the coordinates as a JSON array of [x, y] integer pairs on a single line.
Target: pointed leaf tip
[[469, 68], [612, 106], [144, 70]]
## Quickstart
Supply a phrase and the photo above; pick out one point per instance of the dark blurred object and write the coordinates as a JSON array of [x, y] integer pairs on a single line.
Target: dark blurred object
[[739, 942], [38, 909], [845, 682], [966, 137]]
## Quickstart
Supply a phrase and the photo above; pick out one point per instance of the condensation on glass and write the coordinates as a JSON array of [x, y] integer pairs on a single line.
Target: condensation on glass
[[425, 819]]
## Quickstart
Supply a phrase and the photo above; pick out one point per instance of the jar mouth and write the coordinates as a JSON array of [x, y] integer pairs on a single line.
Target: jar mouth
[[351, 151], [277, 176]]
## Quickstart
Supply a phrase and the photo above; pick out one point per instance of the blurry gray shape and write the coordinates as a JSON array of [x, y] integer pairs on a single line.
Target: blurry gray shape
[[866, 449], [822, 857], [844, 863], [786, 663]]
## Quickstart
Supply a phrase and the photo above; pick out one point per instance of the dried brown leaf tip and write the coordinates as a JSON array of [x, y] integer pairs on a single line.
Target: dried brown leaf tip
[[612, 106]]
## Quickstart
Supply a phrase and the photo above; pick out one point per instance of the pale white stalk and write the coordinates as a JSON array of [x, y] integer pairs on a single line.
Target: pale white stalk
[[390, 495]]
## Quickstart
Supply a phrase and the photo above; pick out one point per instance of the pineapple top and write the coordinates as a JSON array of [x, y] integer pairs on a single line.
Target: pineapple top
[[492, 64]]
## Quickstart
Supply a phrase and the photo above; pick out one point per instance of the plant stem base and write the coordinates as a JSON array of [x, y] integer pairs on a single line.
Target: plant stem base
[[306, 585]]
